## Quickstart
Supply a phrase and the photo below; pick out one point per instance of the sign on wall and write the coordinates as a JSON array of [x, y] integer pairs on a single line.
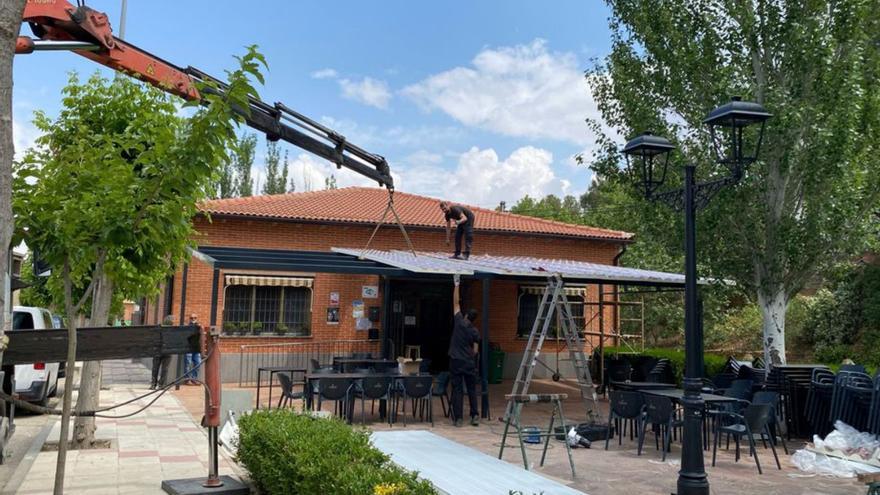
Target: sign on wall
[[334, 299], [370, 291], [332, 316], [357, 308]]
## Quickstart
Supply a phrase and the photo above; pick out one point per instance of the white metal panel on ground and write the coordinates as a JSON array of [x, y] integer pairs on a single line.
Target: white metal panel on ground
[[517, 266], [459, 470]]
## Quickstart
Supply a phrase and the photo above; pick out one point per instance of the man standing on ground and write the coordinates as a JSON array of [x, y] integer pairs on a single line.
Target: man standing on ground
[[193, 359], [464, 221], [462, 368]]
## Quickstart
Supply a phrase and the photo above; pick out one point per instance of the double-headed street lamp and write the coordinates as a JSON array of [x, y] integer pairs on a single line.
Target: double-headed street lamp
[[648, 158]]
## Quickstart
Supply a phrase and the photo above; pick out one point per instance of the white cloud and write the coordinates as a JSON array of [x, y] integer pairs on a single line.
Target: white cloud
[[369, 91], [324, 74], [482, 178], [522, 91], [380, 140], [309, 174], [24, 135]]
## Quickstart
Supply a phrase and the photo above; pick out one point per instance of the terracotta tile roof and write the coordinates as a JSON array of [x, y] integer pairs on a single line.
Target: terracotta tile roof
[[366, 204]]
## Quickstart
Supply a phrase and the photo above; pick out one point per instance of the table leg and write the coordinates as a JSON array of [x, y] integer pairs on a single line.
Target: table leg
[[271, 377], [259, 380]]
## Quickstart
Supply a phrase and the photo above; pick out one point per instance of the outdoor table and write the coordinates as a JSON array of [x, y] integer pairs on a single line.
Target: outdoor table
[[677, 394], [342, 362], [312, 377], [641, 386], [272, 370]]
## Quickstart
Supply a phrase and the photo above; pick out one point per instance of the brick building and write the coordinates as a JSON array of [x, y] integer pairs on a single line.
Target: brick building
[[289, 261]]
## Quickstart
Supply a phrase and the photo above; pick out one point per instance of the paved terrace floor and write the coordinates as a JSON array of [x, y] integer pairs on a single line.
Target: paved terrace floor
[[618, 471]]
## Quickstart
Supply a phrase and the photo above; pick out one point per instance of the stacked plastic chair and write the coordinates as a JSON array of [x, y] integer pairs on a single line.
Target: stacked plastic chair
[[819, 401]]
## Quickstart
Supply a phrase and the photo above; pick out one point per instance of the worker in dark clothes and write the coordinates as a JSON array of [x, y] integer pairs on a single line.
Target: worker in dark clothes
[[462, 368], [464, 221]]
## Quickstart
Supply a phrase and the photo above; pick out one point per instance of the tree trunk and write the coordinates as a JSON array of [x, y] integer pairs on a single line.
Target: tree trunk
[[90, 380], [10, 23], [773, 304], [70, 366]]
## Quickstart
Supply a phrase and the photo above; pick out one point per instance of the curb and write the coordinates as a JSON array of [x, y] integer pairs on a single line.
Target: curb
[[18, 476]]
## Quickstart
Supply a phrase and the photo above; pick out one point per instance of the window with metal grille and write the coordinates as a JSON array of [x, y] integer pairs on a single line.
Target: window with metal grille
[[528, 311], [297, 310], [267, 302], [264, 308], [237, 304]]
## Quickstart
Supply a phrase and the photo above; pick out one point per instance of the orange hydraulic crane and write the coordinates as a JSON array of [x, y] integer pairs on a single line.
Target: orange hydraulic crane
[[59, 25]]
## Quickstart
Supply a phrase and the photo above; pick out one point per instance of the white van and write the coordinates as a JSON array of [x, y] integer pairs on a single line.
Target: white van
[[38, 381]]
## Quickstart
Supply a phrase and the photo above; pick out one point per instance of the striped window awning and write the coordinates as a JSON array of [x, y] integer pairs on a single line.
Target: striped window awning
[[569, 291], [270, 281]]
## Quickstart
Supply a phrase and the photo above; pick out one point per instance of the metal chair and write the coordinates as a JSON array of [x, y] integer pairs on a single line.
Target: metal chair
[[755, 419], [624, 405], [659, 412]]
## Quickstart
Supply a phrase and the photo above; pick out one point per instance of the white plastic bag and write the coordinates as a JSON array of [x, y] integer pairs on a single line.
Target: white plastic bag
[[821, 464], [229, 434]]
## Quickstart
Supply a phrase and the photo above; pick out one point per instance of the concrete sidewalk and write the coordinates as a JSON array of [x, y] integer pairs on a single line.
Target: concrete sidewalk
[[161, 443]]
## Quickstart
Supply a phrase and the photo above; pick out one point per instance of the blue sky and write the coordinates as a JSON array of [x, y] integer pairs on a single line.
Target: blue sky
[[477, 102]]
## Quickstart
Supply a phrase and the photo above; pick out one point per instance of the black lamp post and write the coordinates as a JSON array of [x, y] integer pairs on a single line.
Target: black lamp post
[[727, 125]]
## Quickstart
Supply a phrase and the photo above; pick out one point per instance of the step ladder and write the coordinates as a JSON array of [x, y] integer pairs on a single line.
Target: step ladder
[[554, 304]]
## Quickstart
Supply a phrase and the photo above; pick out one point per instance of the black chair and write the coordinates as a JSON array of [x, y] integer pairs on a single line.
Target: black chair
[[624, 406], [619, 371], [335, 390], [287, 392], [362, 355], [372, 388], [771, 398], [425, 366], [874, 412], [414, 388], [858, 368], [740, 388], [661, 372], [661, 414], [755, 419], [441, 389], [818, 403]]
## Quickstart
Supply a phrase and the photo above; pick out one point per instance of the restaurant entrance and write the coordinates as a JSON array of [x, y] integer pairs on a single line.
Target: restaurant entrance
[[421, 315]]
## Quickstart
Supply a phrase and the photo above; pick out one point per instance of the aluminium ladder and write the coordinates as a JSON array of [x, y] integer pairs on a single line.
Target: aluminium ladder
[[555, 303]]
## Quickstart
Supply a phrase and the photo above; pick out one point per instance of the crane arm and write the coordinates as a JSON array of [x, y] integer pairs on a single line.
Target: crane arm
[[88, 33]]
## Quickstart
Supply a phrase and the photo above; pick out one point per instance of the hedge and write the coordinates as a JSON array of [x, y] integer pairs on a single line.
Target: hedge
[[289, 453], [713, 363]]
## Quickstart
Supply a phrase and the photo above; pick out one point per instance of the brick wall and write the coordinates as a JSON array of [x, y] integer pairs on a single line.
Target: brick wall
[[231, 232]]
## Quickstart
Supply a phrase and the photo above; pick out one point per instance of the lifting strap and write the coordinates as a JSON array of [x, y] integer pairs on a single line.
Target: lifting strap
[[390, 208]]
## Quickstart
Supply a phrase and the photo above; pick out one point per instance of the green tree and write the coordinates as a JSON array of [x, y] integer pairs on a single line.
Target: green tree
[[276, 170], [815, 66], [115, 182], [225, 184], [243, 150]]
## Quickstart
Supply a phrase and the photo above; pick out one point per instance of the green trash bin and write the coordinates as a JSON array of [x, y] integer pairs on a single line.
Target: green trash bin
[[496, 365]]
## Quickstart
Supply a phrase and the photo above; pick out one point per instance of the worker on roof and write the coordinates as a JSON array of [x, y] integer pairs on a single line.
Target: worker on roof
[[462, 359], [464, 221]]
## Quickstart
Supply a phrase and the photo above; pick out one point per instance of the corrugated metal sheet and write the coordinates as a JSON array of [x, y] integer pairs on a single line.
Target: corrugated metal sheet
[[518, 266]]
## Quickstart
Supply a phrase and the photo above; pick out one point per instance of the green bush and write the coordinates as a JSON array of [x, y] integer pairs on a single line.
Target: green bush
[[289, 453], [712, 363]]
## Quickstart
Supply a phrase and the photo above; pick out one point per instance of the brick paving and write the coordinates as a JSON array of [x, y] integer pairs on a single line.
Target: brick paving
[[125, 372], [162, 443], [618, 471]]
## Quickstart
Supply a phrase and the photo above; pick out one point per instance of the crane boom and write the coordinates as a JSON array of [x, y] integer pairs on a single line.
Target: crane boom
[[88, 33]]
